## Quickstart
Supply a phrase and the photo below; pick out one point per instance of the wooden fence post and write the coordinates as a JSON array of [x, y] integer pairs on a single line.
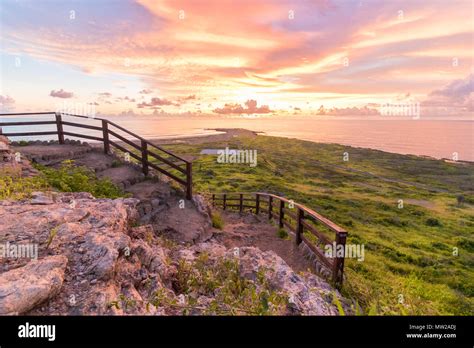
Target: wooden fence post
[[241, 202], [282, 214], [270, 207], [257, 204], [299, 226], [59, 126], [105, 136], [338, 269], [224, 201], [144, 149], [189, 180]]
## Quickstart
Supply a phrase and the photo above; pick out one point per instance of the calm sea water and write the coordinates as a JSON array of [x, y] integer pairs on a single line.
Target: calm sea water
[[435, 138]]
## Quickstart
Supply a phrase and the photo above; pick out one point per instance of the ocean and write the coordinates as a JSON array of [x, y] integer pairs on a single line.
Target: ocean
[[438, 138]]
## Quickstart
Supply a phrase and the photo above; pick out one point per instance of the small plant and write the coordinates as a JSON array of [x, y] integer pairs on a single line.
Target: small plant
[[113, 304], [338, 304], [52, 234], [282, 233], [433, 222], [116, 163], [127, 302], [217, 220], [461, 200]]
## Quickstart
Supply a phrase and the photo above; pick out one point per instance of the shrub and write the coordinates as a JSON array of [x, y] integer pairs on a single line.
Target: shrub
[[282, 233], [460, 199], [116, 163], [433, 222], [217, 220]]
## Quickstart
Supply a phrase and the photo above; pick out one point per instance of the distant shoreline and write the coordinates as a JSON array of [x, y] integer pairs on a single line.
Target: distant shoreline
[[223, 134], [226, 134]]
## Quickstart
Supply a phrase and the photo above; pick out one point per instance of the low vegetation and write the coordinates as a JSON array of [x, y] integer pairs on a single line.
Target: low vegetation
[[67, 178], [217, 220], [221, 282], [15, 187], [71, 178], [283, 234]]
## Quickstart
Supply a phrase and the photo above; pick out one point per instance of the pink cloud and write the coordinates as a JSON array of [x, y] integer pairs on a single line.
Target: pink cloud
[[353, 111], [6, 100], [251, 108], [6, 103], [154, 102], [61, 94]]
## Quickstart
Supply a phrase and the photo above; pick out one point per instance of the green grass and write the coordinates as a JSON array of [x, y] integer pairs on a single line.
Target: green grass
[[421, 252], [15, 187], [67, 178], [217, 220]]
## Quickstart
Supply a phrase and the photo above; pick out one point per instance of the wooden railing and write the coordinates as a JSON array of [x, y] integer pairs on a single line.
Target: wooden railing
[[182, 169], [297, 218]]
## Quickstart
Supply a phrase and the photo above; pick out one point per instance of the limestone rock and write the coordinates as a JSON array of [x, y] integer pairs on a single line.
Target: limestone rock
[[23, 288], [303, 298]]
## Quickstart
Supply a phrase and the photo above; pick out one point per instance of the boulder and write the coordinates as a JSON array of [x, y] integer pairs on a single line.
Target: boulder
[[23, 288]]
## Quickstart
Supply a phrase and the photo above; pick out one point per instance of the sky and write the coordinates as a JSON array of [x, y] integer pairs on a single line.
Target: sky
[[236, 57]]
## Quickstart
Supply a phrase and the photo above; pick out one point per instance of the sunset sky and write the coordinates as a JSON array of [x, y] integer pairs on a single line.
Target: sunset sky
[[235, 57]]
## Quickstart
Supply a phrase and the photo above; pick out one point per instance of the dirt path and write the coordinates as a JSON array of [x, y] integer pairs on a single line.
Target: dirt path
[[251, 230]]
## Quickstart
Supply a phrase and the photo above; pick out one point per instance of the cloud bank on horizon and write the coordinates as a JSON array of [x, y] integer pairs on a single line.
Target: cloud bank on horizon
[[227, 57]]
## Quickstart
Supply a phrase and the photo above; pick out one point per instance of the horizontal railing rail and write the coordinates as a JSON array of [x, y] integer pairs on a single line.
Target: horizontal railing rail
[[163, 159], [298, 218]]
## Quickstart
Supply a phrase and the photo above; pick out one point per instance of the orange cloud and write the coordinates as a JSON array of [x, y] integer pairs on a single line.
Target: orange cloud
[[237, 50]]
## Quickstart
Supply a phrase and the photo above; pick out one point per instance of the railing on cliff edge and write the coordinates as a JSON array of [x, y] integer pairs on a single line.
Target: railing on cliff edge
[[298, 219], [109, 132]]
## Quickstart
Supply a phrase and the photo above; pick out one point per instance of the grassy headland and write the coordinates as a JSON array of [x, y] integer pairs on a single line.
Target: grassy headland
[[418, 258]]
